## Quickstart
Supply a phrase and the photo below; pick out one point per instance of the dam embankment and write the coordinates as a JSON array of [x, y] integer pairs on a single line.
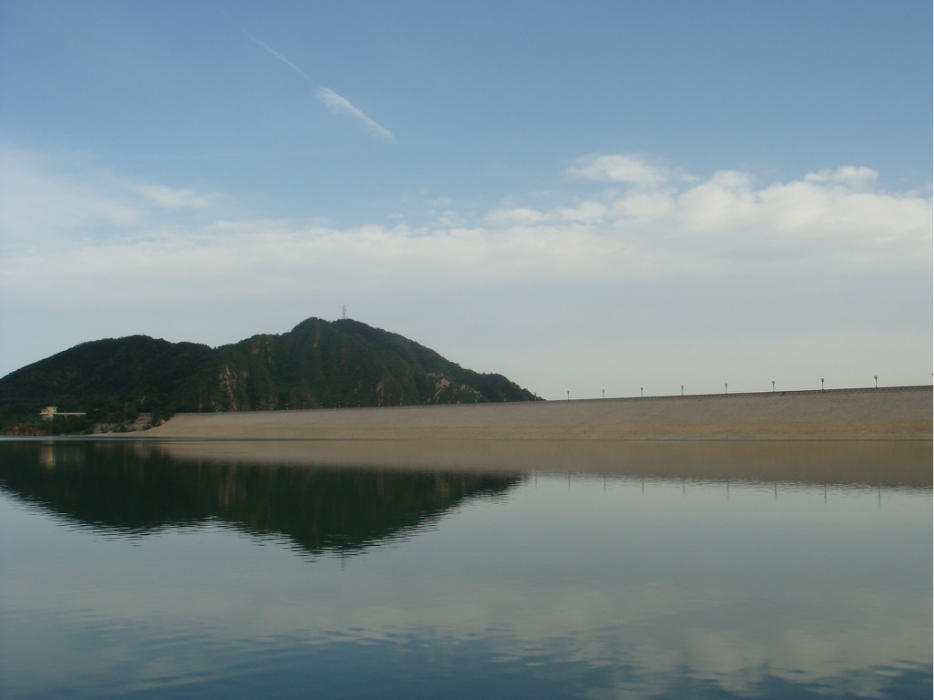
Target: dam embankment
[[896, 413]]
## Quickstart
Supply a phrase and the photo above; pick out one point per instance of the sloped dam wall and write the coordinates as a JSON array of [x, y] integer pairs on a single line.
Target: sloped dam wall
[[899, 413]]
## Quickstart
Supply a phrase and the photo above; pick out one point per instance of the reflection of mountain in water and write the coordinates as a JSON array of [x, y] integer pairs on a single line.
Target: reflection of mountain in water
[[114, 487]]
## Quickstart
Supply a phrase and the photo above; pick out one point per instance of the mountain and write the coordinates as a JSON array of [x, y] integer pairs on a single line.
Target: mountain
[[318, 364]]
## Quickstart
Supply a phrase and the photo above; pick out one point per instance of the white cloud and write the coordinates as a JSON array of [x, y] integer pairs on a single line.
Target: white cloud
[[617, 168], [847, 174], [519, 215], [38, 205], [647, 206], [41, 205], [586, 212], [723, 203], [175, 198]]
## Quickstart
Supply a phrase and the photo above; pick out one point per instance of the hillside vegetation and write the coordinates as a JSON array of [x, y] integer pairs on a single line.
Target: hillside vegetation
[[318, 364]]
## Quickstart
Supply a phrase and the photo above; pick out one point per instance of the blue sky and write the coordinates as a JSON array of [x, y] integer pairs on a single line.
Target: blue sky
[[583, 196]]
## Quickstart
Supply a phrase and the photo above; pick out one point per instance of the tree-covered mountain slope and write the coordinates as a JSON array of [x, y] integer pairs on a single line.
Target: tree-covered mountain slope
[[318, 364]]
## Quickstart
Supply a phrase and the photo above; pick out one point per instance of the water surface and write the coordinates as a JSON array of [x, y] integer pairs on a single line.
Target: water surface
[[224, 570]]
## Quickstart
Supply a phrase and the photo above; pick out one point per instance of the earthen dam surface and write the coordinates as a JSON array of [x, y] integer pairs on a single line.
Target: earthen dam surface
[[898, 413]]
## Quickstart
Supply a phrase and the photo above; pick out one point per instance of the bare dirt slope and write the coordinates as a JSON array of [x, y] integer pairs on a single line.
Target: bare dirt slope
[[901, 413]]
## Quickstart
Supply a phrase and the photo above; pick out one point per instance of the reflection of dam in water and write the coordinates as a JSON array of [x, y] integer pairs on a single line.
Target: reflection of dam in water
[[889, 463], [117, 488]]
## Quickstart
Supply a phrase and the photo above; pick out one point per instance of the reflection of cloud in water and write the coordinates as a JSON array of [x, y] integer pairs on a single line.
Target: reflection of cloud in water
[[665, 633], [649, 654]]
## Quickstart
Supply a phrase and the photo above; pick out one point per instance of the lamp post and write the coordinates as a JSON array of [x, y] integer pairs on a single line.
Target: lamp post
[[877, 380], [773, 386], [725, 385], [821, 383]]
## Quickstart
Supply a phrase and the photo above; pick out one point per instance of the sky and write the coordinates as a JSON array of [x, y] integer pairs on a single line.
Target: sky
[[587, 197]]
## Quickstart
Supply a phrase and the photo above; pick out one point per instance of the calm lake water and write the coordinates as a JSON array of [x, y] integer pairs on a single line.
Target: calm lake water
[[202, 570]]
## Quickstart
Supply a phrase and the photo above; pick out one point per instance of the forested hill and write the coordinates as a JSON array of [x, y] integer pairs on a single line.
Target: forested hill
[[318, 364]]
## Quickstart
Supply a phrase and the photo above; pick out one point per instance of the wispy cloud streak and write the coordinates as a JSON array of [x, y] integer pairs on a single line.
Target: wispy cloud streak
[[280, 57], [336, 104], [341, 105]]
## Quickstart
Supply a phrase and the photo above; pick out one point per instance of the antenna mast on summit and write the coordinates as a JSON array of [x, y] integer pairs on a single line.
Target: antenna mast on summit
[[344, 312]]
